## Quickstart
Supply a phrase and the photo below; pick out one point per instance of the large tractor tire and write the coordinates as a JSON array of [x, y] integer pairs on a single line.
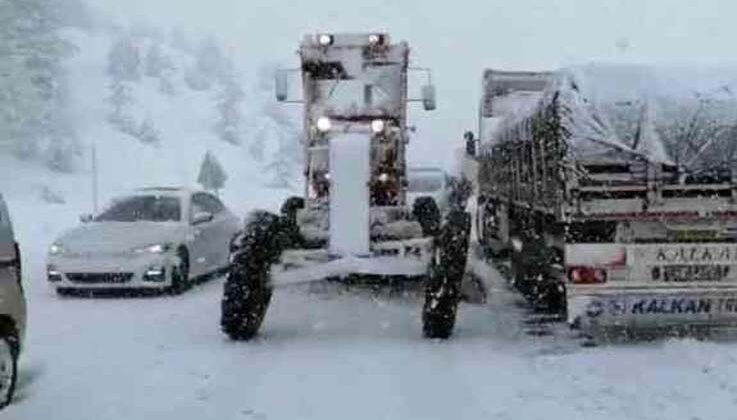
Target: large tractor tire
[[245, 300], [443, 288], [426, 212], [529, 273], [247, 292], [180, 280]]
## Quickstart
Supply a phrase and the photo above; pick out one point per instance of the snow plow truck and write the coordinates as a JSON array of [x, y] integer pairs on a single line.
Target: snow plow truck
[[612, 190], [353, 219]]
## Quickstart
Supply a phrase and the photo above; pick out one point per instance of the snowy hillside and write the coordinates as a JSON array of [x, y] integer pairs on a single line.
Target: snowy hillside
[[173, 127]]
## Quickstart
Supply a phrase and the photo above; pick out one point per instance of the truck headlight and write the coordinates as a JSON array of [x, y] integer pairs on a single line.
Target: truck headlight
[[325, 39], [375, 39], [377, 126], [324, 124], [56, 249], [152, 249]]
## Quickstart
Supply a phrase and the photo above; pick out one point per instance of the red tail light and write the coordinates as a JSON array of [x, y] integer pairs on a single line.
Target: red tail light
[[587, 275]]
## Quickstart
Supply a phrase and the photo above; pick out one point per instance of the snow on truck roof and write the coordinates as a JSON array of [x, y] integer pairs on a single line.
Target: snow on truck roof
[[664, 114]]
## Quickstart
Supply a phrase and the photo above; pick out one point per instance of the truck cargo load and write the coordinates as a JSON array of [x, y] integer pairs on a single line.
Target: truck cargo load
[[614, 194]]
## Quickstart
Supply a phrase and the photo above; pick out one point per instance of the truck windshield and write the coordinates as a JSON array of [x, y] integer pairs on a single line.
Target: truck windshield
[[149, 208], [377, 90]]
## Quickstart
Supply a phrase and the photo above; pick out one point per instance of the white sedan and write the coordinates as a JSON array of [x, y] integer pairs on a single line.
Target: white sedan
[[156, 238], [427, 182]]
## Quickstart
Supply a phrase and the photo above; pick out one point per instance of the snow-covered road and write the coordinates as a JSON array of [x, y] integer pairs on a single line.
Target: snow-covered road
[[328, 353]]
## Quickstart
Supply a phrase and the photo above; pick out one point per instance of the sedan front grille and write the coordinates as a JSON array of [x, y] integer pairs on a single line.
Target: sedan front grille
[[91, 278]]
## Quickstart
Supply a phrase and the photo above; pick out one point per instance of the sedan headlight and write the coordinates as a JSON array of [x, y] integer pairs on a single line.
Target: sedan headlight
[[56, 249], [152, 249]]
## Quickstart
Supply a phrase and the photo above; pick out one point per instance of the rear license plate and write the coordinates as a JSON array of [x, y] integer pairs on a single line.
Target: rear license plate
[[684, 273]]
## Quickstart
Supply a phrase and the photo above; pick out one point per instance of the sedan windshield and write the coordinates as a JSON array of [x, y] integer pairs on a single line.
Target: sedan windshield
[[425, 184], [143, 208]]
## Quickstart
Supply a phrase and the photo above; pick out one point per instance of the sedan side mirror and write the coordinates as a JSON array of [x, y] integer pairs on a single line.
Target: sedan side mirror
[[85, 218], [202, 217], [428, 97]]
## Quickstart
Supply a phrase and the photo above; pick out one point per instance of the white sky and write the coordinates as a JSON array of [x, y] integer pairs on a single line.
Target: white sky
[[457, 39]]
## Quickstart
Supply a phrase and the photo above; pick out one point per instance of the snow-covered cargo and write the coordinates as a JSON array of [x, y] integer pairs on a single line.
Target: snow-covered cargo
[[640, 131], [506, 94], [626, 111]]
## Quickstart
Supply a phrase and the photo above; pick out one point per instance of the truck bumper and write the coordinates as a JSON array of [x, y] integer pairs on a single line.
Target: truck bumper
[[652, 307], [393, 258]]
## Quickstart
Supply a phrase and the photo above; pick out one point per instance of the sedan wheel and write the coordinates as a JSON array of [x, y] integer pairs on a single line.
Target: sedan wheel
[[8, 370], [180, 273]]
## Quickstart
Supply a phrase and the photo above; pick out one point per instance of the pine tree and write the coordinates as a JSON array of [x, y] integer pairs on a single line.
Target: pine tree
[[157, 63], [210, 66], [196, 80], [120, 98], [154, 62], [61, 154], [210, 60], [124, 60], [31, 76], [276, 126], [147, 133], [283, 163], [212, 176], [165, 84], [229, 100]]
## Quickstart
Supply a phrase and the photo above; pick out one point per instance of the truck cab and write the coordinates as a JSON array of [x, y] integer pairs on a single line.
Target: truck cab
[[355, 96], [353, 220]]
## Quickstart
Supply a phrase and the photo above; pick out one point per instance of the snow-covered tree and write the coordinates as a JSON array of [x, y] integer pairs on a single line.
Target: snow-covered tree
[[212, 176], [229, 99], [166, 86], [124, 59], [281, 168], [119, 99], [180, 40], [209, 67], [211, 61], [75, 13], [159, 65], [32, 79], [147, 133], [273, 138], [50, 196], [62, 153], [195, 80], [156, 63]]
